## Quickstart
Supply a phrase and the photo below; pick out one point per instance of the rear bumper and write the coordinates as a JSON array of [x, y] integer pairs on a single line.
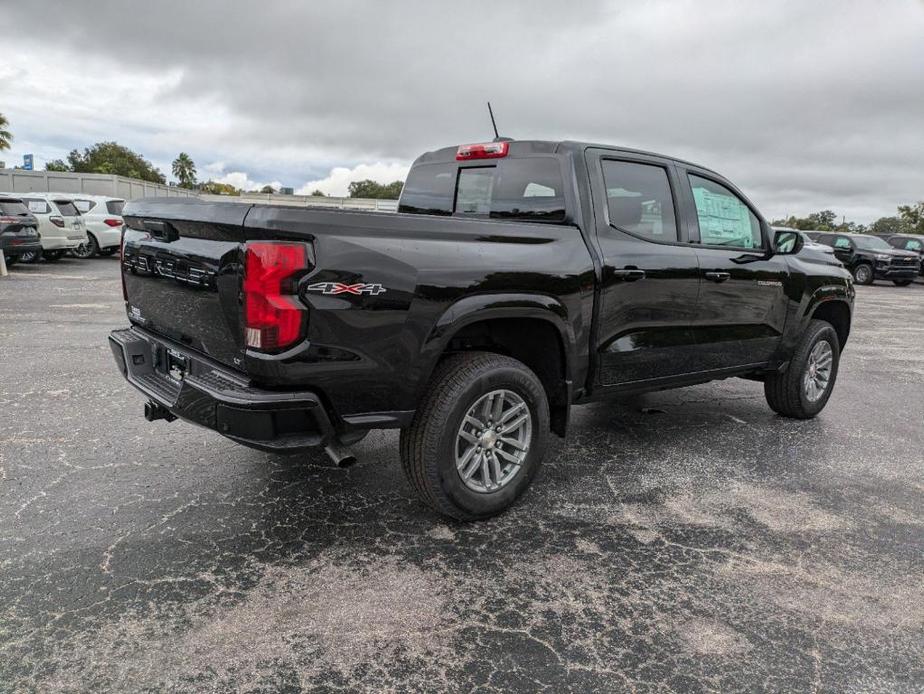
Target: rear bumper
[[207, 394], [17, 245], [61, 243]]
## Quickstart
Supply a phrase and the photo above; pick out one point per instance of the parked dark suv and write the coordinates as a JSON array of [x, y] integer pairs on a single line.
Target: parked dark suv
[[870, 258], [18, 230], [908, 242]]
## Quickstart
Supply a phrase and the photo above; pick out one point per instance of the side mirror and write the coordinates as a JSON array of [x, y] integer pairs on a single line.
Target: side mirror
[[787, 242]]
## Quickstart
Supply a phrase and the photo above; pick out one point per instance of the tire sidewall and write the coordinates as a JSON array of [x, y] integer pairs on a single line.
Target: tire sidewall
[[863, 267], [528, 387], [827, 333]]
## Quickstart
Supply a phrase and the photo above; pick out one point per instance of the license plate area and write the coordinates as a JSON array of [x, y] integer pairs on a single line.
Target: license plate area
[[175, 365]]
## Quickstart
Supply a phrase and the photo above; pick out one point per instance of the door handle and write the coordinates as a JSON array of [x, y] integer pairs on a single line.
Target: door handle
[[717, 276], [629, 274]]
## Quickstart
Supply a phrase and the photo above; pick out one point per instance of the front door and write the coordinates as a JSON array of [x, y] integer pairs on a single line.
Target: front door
[[650, 273], [742, 305]]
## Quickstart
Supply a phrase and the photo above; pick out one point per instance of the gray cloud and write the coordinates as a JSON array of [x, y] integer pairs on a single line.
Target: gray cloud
[[804, 105]]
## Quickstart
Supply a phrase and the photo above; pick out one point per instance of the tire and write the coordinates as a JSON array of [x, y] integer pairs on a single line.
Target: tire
[[902, 283], [88, 249], [786, 392], [52, 256], [434, 442], [30, 256], [863, 274], [11, 260]]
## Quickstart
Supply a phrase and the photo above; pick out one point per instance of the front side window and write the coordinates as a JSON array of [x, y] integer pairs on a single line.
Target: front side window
[[724, 220], [639, 200], [37, 206]]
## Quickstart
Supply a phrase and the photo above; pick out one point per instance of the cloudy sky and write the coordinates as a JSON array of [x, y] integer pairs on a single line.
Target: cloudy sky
[[805, 105]]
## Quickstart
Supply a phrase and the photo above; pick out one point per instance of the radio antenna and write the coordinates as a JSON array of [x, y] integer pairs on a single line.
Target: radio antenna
[[493, 124]]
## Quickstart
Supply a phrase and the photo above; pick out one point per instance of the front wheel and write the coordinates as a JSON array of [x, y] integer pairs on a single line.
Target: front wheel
[[863, 274], [478, 437], [802, 391], [901, 283]]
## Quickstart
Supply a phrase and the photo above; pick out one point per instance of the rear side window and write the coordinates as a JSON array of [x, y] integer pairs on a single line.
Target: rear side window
[[724, 219], [84, 205], [37, 206], [529, 190], [67, 208], [428, 189], [639, 200], [115, 206], [13, 208]]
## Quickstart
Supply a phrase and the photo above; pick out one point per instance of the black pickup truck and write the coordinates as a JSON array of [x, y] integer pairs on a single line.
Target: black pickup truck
[[518, 278]]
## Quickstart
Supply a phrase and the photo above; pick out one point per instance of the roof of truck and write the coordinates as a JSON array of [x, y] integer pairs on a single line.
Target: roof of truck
[[526, 147]]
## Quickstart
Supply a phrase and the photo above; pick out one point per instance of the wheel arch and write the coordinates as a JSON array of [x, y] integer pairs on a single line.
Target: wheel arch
[[530, 328], [837, 313]]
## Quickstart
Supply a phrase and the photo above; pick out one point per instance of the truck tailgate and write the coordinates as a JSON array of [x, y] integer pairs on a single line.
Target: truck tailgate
[[182, 268]]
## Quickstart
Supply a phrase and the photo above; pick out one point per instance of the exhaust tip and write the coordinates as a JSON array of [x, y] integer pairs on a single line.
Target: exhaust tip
[[341, 455]]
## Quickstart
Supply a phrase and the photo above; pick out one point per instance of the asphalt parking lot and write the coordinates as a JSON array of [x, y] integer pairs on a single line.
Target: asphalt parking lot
[[687, 541]]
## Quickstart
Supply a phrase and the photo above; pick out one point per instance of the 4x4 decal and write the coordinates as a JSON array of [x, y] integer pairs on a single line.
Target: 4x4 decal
[[340, 288]]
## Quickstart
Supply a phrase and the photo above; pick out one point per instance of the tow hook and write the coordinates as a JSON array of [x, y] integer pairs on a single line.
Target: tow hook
[[340, 453], [153, 411]]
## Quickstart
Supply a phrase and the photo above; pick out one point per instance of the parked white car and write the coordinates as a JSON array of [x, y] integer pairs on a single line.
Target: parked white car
[[60, 224], [103, 217]]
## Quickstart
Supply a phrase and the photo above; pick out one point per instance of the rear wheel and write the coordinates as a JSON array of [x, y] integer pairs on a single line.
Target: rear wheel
[[30, 256], [478, 437], [11, 259], [88, 249], [803, 389], [53, 256], [863, 274], [902, 283]]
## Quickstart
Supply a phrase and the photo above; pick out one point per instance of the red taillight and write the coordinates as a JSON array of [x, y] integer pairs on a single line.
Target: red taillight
[[113, 222], [4, 219], [485, 150], [57, 221], [272, 315]]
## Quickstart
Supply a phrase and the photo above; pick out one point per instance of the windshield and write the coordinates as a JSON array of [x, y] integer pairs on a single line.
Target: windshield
[[871, 243]]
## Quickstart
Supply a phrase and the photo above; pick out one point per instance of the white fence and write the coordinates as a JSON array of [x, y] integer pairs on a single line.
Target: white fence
[[19, 181]]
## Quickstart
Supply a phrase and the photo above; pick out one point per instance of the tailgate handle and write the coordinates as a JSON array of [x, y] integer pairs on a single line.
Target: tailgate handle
[[162, 231]]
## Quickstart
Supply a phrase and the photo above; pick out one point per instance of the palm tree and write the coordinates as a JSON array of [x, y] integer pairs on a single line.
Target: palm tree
[[185, 170], [5, 135]]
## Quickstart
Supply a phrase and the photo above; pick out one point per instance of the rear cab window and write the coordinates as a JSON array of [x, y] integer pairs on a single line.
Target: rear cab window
[[528, 189]]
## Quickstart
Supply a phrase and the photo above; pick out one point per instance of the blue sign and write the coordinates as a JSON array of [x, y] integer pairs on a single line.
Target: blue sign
[[27, 162]]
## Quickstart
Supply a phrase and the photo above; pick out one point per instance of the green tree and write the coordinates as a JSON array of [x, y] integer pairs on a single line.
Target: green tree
[[913, 217], [268, 189], [888, 225], [373, 189], [6, 137], [57, 165], [216, 188], [113, 158], [185, 170], [317, 193]]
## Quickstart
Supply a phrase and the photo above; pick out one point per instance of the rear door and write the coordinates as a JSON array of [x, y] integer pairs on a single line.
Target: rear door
[[650, 273], [742, 304]]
